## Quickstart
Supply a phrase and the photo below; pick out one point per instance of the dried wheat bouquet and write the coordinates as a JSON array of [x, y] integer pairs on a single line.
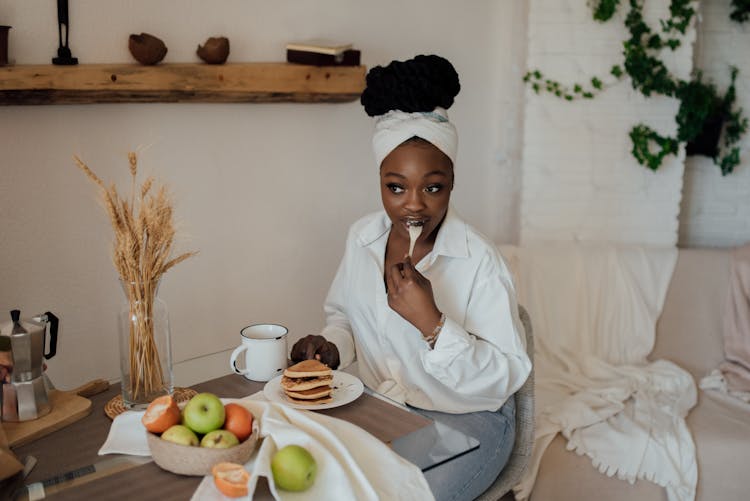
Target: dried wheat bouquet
[[144, 235]]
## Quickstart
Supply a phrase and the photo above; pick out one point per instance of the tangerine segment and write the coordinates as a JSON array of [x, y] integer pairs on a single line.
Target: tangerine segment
[[162, 413], [238, 420], [231, 479]]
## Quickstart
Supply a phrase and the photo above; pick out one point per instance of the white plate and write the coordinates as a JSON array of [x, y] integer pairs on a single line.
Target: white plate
[[346, 389]]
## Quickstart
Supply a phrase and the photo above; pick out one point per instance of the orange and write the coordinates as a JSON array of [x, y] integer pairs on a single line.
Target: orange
[[231, 479], [161, 414], [238, 420]]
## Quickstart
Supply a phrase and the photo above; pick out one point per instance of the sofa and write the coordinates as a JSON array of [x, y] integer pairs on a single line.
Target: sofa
[[689, 333]]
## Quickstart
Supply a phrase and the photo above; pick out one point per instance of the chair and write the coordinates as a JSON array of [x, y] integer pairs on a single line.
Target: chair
[[519, 457]]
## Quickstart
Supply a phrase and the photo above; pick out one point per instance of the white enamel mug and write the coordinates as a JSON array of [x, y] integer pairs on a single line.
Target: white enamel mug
[[264, 346]]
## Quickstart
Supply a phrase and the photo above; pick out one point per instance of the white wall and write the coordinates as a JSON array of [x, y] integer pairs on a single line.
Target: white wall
[[715, 208], [580, 181], [265, 192]]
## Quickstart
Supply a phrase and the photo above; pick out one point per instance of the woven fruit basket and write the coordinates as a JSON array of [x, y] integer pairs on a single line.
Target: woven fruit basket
[[187, 460]]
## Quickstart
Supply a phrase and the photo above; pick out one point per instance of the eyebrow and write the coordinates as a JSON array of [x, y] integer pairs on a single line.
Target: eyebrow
[[431, 173]]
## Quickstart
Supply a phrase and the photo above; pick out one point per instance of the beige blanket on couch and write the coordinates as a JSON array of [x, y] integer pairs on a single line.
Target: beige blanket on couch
[[733, 375], [594, 309]]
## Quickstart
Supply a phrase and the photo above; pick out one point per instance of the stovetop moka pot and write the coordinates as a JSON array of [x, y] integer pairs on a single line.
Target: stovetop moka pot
[[23, 393]]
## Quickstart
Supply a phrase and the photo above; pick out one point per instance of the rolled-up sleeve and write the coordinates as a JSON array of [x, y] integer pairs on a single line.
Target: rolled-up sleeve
[[485, 358]]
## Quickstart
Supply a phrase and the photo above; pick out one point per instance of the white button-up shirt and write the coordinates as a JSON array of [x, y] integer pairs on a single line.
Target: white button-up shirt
[[479, 359]]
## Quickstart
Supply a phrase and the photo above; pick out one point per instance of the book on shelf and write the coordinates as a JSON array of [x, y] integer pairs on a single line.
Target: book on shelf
[[347, 58], [319, 46]]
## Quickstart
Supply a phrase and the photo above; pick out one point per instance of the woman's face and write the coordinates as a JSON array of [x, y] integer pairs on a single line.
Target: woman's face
[[416, 180]]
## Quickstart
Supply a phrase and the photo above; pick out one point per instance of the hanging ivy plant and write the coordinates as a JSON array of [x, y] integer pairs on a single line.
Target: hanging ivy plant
[[703, 113], [538, 82]]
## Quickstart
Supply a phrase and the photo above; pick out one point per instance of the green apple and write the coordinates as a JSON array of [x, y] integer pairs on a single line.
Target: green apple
[[219, 439], [293, 468], [180, 435], [203, 413]]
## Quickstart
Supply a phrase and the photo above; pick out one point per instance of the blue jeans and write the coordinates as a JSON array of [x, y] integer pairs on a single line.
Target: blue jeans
[[468, 476]]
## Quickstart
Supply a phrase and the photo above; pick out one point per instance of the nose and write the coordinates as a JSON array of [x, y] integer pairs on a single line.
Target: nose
[[415, 201]]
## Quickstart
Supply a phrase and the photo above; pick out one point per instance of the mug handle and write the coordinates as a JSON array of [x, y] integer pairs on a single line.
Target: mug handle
[[233, 360]]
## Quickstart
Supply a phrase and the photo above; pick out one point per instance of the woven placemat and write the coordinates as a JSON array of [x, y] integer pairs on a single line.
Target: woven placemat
[[115, 407]]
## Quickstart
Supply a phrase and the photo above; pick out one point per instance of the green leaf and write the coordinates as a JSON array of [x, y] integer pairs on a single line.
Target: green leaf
[[605, 9], [654, 42], [642, 138], [730, 161]]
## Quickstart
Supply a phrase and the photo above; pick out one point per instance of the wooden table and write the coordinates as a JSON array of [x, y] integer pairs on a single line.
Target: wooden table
[[77, 445]]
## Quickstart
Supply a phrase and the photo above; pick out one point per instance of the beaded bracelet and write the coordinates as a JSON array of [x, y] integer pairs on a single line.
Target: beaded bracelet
[[432, 338]]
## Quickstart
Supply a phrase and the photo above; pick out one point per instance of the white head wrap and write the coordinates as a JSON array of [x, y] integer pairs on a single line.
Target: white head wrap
[[395, 127]]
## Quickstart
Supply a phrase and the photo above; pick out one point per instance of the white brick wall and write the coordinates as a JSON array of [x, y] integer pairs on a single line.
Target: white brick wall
[[715, 209], [579, 179]]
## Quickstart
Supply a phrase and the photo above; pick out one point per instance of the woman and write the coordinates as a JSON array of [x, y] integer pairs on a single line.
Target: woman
[[439, 330]]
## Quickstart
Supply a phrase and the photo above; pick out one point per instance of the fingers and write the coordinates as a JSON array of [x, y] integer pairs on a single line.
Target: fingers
[[297, 352], [310, 350], [406, 275], [393, 278], [409, 271], [306, 347], [329, 355], [298, 349], [318, 348]]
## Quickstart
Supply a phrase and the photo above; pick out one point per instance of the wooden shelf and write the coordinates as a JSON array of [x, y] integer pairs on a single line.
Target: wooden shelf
[[172, 83]]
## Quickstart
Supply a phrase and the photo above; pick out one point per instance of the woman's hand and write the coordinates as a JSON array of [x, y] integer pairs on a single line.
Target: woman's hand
[[316, 347], [410, 295]]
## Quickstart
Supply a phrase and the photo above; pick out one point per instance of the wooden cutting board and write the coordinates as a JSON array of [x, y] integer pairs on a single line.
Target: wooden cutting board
[[67, 407]]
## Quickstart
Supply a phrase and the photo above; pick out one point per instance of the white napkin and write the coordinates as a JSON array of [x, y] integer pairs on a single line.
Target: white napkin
[[127, 435]]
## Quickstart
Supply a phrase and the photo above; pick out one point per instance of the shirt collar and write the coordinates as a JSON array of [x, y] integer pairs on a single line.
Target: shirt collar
[[451, 241]]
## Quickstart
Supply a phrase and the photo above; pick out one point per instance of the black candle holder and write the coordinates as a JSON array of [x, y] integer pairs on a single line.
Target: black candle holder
[[64, 56], [4, 45]]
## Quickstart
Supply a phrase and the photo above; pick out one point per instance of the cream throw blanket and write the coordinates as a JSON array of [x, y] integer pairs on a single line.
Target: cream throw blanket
[[594, 309]]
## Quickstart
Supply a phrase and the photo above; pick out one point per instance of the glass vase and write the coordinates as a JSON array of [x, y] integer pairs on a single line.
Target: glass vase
[[145, 345]]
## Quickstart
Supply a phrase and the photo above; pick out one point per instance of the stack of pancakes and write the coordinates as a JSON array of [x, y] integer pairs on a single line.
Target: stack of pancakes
[[308, 383]]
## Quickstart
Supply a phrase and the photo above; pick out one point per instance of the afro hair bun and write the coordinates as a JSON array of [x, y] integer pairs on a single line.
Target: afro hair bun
[[419, 84]]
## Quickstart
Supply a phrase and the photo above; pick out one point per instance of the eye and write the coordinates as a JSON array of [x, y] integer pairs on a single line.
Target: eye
[[395, 188], [433, 188]]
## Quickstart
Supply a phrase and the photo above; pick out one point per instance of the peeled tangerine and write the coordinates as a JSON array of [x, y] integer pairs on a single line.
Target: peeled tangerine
[[161, 414], [231, 479]]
